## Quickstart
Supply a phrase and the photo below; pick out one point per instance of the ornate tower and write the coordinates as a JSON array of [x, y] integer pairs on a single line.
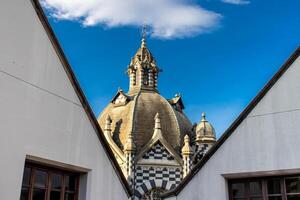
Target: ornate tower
[[142, 70], [205, 138], [148, 134]]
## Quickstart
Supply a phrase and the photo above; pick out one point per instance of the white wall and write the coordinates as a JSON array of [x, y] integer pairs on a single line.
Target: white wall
[[268, 139], [40, 113]]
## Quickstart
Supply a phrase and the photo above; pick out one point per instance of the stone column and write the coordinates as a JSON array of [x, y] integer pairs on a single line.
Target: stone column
[[187, 153], [141, 77], [132, 76], [129, 151], [151, 78]]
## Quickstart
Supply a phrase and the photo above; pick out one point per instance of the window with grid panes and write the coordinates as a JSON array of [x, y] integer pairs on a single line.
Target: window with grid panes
[[271, 188], [42, 183]]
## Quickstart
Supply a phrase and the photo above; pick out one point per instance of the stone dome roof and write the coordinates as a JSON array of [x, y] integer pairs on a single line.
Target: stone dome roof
[[135, 114], [205, 132]]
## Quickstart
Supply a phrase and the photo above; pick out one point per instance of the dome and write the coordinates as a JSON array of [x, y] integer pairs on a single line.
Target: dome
[[135, 114], [132, 113], [205, 132], [148, 133]]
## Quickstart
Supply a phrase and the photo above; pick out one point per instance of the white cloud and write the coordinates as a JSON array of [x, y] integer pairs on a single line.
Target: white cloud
[[166, 18], [237, 2]]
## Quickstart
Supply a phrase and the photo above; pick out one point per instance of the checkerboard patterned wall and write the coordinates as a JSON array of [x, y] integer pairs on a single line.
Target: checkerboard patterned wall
[[158, 152], [201, 151], [160, 175], [156, 177]]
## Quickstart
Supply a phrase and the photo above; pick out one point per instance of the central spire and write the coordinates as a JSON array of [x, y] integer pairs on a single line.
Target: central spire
[[142, 70], [144, 34]]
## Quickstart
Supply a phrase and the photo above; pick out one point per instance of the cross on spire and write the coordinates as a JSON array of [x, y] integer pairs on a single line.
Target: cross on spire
[[144, 34]]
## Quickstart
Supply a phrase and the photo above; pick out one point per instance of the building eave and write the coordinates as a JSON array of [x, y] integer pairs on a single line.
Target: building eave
[[67, 67], [234, 125]]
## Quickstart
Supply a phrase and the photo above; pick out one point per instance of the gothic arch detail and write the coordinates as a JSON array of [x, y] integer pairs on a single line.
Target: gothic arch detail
[[144, 190]]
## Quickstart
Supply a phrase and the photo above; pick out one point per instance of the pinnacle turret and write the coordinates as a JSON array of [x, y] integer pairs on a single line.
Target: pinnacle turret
[[142, 70]]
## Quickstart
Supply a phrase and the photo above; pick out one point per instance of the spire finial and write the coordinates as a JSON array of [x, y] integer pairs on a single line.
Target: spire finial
[[186, 139], [107, 127], [157, 121], [144, 34], [186, 149], [108, 119], [129, 145], [203, 116]]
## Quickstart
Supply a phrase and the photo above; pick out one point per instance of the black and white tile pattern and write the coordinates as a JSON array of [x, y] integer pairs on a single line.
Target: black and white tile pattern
[[161, 175], [200, 152], [158, 152], [148, 178]]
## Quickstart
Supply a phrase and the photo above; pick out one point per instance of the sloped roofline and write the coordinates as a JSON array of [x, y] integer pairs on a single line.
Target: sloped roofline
[[234, 125], [120, 91], [67, 67], [176, 100]]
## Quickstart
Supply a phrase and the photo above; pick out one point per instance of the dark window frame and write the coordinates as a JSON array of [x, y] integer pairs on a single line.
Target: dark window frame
[[264, 186], [50, 171]]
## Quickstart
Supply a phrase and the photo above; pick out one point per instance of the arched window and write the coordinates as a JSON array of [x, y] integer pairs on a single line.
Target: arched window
[[145, 76], [153, 194]]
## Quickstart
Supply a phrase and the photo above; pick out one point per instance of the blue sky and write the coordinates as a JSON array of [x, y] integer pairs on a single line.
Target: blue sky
[[218, 64]]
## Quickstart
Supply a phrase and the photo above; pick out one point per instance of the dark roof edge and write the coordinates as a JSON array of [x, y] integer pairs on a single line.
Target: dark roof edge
[[80, 94], [234, 125]]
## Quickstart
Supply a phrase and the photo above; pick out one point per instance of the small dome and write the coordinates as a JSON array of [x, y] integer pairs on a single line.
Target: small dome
[[205, 132]]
